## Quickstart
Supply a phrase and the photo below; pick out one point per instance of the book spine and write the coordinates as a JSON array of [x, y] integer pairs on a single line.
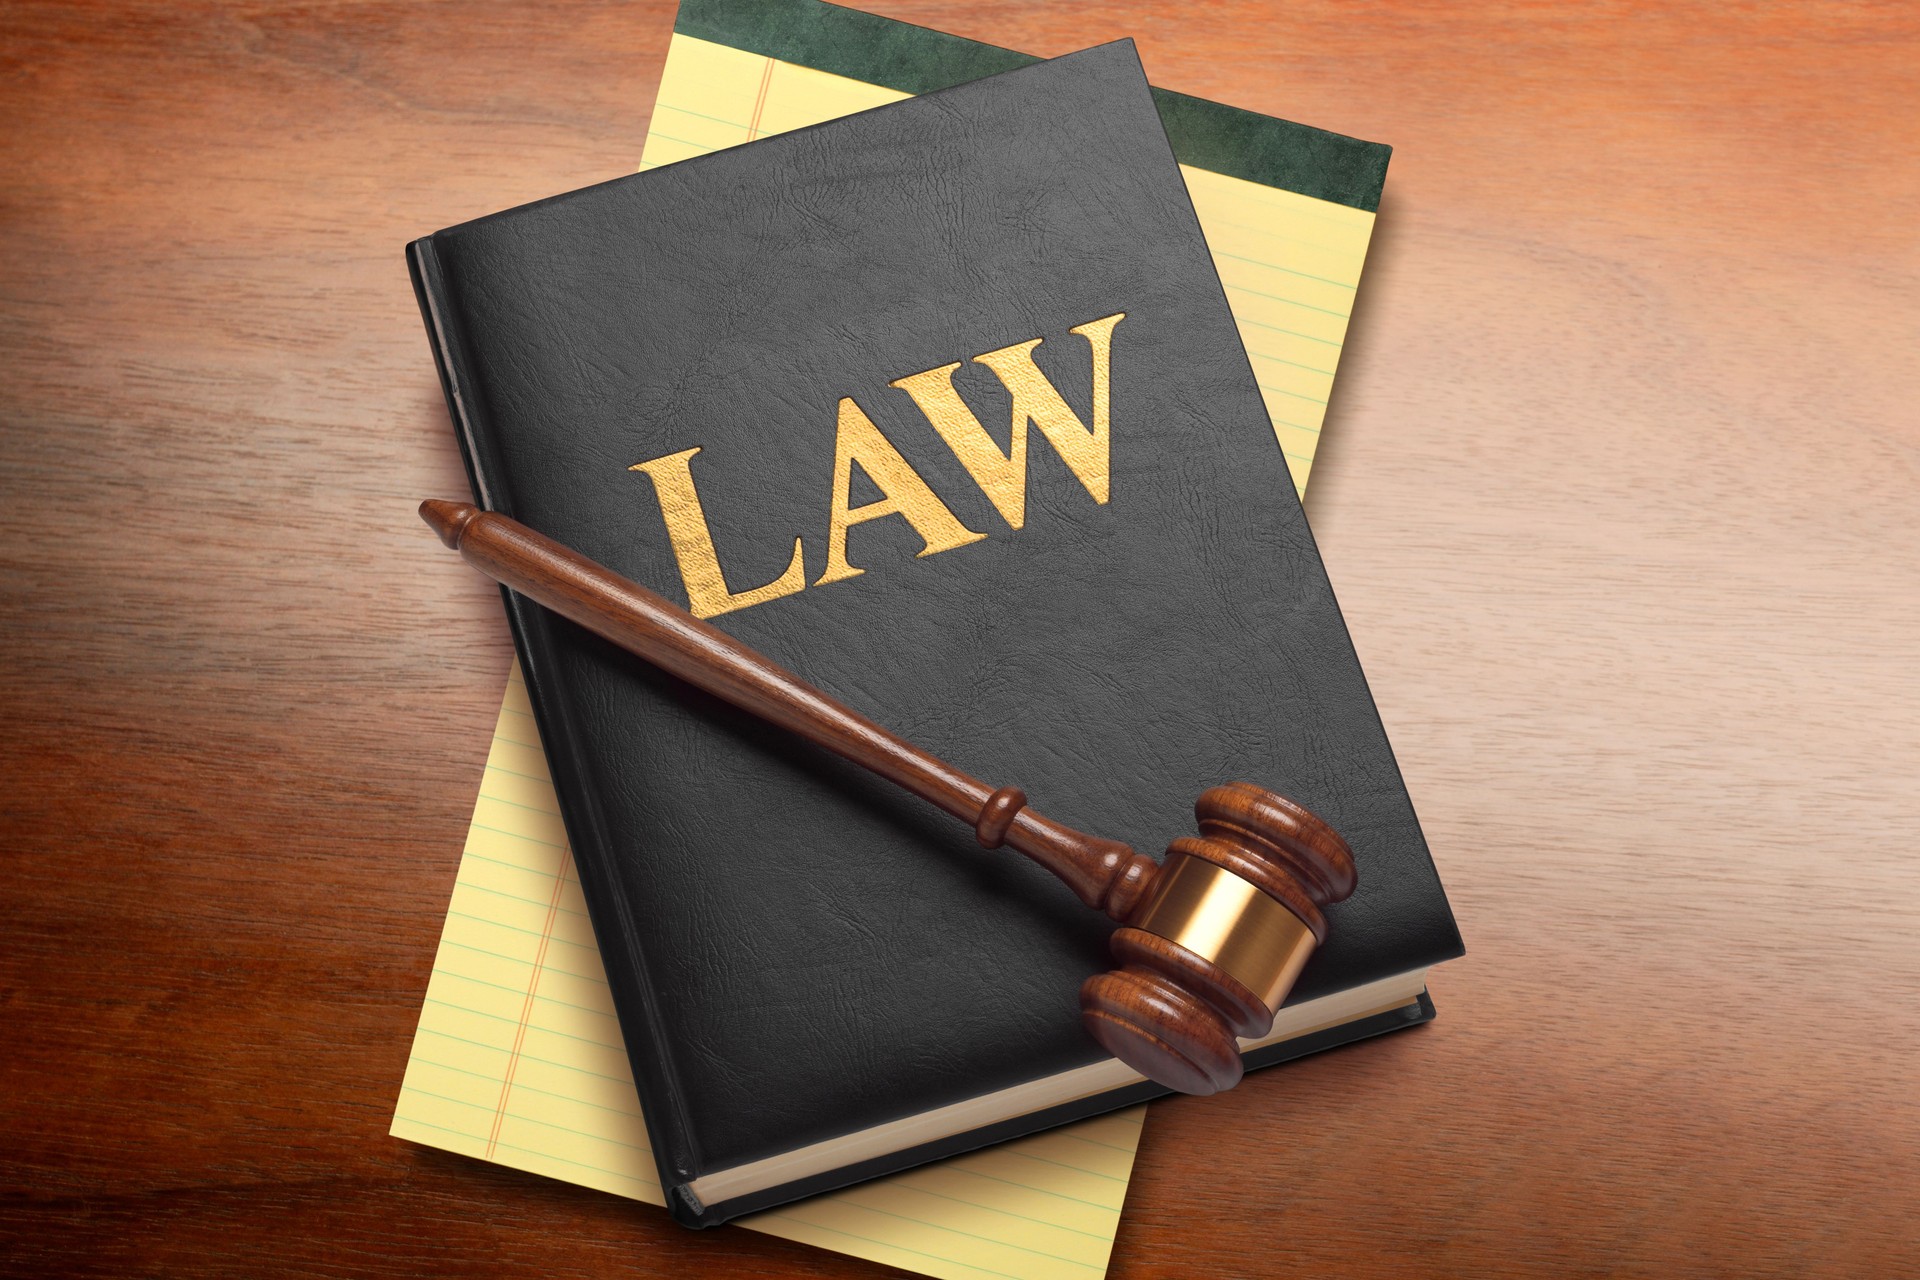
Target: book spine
[[655, 1081], [423, 268]]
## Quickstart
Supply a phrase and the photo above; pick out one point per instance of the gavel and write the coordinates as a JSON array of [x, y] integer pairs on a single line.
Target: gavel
[[1210, 940]]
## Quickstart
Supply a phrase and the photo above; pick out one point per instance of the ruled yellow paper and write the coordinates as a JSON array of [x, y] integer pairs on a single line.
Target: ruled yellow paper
[[517, 1058]]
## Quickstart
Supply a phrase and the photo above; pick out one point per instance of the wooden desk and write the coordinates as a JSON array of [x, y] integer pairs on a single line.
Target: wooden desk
[[1619, 492]]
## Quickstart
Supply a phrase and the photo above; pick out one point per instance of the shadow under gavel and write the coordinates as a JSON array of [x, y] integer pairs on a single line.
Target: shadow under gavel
[[1211, 939]]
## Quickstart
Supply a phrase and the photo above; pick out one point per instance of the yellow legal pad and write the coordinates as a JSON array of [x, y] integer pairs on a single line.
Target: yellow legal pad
[[518, 1057]]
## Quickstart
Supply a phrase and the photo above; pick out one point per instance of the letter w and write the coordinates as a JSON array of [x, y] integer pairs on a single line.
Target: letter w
[[1003, 476]]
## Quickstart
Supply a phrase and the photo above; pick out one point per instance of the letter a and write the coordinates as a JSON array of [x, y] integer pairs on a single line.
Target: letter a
[[905, 494]]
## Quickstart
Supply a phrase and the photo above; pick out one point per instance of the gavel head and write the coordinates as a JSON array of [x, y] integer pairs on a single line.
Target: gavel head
[[1218, 938]]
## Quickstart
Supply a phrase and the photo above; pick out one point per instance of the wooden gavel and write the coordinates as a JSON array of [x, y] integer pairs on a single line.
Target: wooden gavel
[[1210, 941]]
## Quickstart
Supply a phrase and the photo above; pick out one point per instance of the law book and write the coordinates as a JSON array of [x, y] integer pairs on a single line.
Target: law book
[[941, 406], [517, 1058]]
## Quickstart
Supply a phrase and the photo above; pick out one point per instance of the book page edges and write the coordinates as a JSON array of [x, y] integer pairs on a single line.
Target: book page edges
[[1066, 1087]]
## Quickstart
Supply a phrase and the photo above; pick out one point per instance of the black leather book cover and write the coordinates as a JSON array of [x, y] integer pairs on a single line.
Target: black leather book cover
[[941, 407]]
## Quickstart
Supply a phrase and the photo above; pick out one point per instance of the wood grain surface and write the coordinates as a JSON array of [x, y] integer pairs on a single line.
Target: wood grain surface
[[1619, 493]]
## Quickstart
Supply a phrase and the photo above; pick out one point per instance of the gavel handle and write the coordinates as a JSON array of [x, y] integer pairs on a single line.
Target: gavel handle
[[1105, 874]]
